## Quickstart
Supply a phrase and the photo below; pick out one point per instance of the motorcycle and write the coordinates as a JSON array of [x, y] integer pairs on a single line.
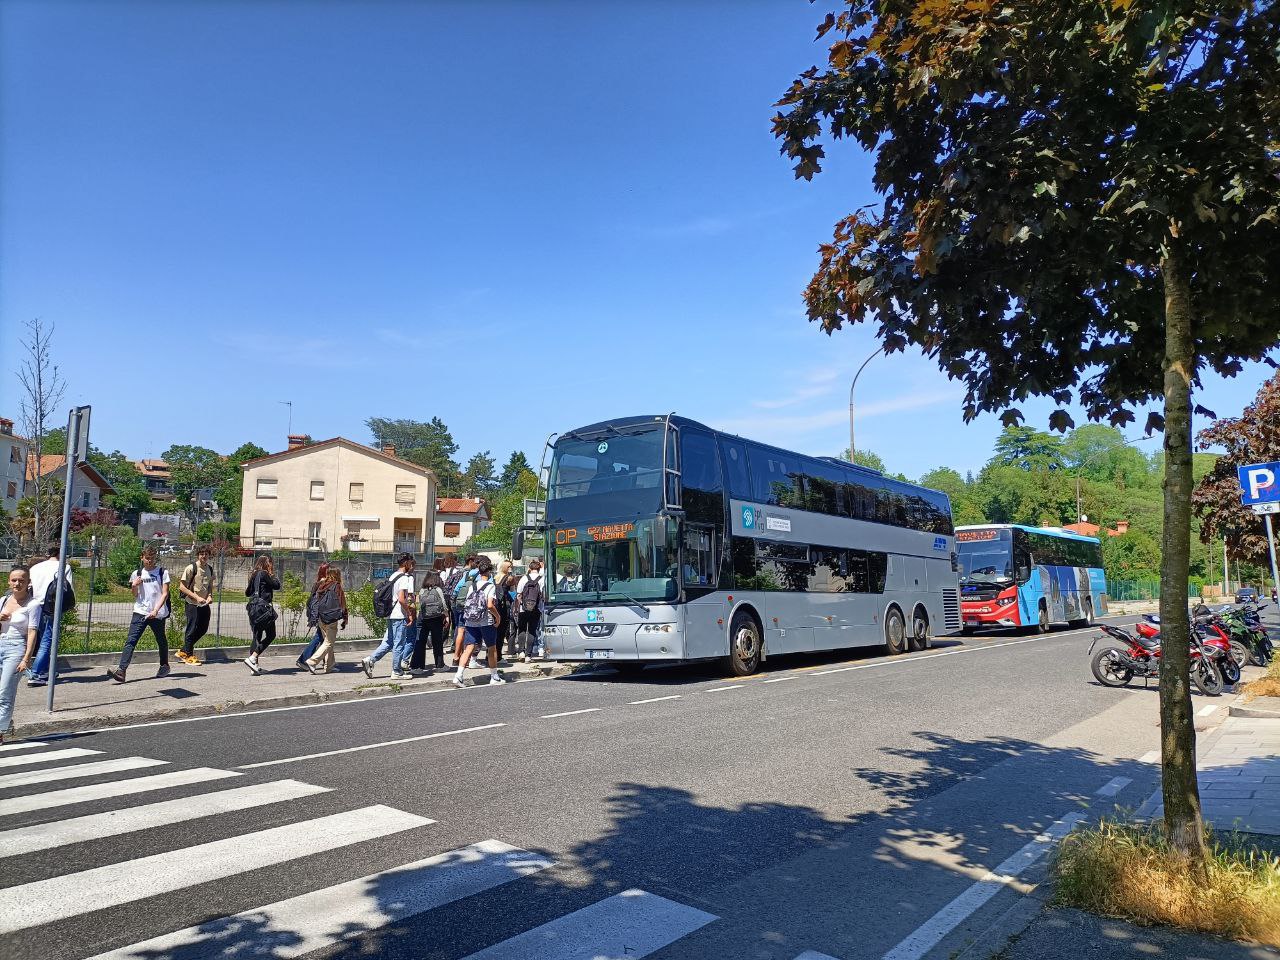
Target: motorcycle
[[1243, 631], [1138, 655], [1214, 643]]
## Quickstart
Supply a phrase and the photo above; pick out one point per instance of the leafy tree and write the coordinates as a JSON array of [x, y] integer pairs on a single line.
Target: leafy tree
[[1131, 556], [230, 491], [123, 558], [965, 507], [192, 468], [1253, 437], [428, 445], [479, 479], [1028, 448], [864, 458], [102, 517], [1079, 201], [516, 465], [39, 514], [506, 513]]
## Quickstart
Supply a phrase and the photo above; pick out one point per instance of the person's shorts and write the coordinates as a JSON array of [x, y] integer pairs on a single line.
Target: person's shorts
[[481, 636]]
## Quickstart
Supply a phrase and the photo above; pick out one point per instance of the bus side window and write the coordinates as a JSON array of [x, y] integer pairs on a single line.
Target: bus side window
[[737, 476]]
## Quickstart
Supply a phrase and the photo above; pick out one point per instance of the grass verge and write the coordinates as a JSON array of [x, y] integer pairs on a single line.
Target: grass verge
[[1265, 686], [1129, 871]]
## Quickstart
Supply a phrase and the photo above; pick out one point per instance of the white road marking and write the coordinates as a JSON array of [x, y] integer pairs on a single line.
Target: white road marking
[[105, 791], [1205, 711], [299, 925], [368, 746], [78, 770], [732, 686], [632, 703], [928, 935], [5, 747], [779, 679], [44, 901], [68, 754], [629, 925], [814, 955], [1113, 786], [43, 836], [1152, 756], [569, 713]]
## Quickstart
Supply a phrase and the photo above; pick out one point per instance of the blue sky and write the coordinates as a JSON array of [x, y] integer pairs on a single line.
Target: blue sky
[[518, 217]]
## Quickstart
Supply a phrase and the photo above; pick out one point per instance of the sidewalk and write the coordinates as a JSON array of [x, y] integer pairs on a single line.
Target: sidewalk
[[86, 699]]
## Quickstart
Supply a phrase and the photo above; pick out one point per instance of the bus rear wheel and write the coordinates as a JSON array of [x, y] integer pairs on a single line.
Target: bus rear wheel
[[895, 632], [919, 630], [745, 644]]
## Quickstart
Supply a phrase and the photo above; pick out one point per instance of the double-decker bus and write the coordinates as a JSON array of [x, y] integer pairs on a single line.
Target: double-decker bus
[[1016, 576], [670, 541]]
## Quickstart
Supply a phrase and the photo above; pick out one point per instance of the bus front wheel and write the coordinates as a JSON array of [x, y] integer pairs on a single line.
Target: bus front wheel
[[895, 632], [745, 644], [1042, 624]]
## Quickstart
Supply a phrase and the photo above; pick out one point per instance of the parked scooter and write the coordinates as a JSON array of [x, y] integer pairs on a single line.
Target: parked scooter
[[1134, 655]]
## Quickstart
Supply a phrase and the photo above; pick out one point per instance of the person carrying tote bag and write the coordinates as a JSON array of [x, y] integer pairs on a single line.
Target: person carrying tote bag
[[262, 614]]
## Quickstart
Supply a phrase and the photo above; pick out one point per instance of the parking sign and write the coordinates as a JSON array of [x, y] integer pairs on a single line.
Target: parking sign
[[1259, 483]]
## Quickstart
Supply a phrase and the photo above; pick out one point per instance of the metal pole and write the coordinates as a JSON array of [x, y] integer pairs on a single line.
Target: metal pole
[[1271, 548], [73, 447], [1226, 574], [852, 447], [93, 570], [222, 566]]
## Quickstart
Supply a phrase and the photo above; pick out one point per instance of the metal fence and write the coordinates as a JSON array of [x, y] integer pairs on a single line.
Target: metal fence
[[1143, 590]]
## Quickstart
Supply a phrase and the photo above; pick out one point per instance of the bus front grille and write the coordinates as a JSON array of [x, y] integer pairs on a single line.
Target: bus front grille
[[951, 609]]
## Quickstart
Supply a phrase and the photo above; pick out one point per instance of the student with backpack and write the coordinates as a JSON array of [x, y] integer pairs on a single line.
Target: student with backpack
[[480, 622], [261, 591], [196, 584], [458, 594], [433, 619], [44, 587], [150, 584], [395, 601], [529, 604], [330, 609], [313, 624]]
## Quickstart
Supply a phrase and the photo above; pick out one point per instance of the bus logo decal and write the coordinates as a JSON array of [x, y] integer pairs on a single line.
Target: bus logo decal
[[940, 543], [748, 518]]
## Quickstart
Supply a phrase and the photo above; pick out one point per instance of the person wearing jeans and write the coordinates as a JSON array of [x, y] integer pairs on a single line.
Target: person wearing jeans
[[401, 630], [20, 615], [43, 574], [150, 585]]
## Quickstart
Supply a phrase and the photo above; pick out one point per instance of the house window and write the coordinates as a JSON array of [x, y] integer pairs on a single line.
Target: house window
[[317, 489], [85, 500], [452, 529], [266, 490], [313, 536], [15, 456], [355, 491], [13, 490], [262, 533], [406, 493]]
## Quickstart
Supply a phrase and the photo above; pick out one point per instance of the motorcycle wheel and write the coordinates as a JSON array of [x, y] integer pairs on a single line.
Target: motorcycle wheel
[[1241, 654], [1109, 669], [1207, 678], [1230, 671]]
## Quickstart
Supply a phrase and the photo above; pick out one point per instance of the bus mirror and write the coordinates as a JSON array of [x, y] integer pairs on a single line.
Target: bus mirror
[[517, 544], [1023, 574]]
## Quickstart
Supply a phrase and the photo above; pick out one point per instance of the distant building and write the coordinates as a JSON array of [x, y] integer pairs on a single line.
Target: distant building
[[458, 519], [1091, 529], [88, 487], [14, 451], [156, 478], [337, 494]]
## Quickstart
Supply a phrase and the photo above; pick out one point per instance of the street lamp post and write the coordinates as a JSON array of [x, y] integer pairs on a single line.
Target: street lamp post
[[852, 445]]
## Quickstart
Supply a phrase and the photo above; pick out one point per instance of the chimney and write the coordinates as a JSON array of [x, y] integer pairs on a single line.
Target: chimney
[[6, 426], [389, 449], [1122, 527], [297, 441]]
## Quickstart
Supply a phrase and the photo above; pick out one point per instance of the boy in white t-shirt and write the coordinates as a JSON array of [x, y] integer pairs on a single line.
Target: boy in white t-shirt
[[150, 585], [401, 629]]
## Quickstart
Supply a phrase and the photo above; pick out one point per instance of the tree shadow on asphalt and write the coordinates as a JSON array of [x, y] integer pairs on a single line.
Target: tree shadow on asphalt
[[779, 877]]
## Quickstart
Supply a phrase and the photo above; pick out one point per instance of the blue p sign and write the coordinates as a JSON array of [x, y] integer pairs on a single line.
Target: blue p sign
[[1258, 483]]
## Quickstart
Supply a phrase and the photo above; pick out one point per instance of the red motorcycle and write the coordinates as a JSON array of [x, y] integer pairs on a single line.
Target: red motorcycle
[[1138, 655]]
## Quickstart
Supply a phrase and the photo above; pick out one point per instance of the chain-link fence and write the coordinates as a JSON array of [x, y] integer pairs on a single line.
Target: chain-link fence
[[1144, 590]]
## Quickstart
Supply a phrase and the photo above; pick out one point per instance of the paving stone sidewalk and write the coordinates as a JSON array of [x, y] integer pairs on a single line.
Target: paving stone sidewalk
[[85, 698]]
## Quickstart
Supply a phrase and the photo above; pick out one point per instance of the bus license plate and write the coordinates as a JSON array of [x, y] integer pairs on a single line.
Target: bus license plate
[[599, 654], [971, 620]]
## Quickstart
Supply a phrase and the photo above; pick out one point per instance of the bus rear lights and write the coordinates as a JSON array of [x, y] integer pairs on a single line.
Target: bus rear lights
[[655, 628]]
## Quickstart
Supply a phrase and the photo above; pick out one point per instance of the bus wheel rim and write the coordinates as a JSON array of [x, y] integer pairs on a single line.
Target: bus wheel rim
[[745, 643]]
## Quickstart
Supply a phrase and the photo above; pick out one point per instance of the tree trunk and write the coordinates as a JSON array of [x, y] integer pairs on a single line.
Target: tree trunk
[[1182, 819]]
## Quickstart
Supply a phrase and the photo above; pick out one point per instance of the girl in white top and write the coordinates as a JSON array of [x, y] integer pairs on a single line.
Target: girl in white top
[[19, 629]]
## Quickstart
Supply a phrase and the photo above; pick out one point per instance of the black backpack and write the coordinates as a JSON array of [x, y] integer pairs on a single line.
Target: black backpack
[[530, 595], [384, 598], [51, 596]]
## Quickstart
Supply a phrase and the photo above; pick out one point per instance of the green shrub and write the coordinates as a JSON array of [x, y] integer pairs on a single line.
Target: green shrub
[[360, 603], [293, 601], [123, 559]]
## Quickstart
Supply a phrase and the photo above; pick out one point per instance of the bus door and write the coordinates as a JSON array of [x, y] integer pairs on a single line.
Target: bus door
[[699, 576]]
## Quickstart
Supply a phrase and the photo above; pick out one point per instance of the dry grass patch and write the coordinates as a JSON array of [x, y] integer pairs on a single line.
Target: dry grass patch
[[1265, 686], [1129, 871]]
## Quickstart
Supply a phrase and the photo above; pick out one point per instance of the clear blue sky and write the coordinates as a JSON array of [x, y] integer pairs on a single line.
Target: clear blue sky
[[518, 217]]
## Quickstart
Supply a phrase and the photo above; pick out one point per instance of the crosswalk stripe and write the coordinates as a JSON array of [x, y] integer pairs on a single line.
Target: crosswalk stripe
[[631, 924], [26, 745], [311, 921], [42, 836], [44, 901], [69, 754], [116, 788], [78, 770]]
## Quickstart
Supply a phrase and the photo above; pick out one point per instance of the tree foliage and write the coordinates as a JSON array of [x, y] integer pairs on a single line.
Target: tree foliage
[[506, 513], [1080, 201], [479, 479], [1253, 437], [428, 444], [230, 490], [864, 458], [192, 468], [517, 464]]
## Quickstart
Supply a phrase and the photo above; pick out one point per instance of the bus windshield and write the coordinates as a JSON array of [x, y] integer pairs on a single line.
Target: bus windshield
[[629, 561], [611, 475], [988, 561]]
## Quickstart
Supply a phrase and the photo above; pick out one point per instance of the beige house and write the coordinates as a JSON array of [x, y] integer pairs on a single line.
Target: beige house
[[13, 466], [337, 494], [458, 519]]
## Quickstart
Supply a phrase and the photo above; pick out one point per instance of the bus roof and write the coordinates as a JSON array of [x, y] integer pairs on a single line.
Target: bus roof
[[1051, 531]]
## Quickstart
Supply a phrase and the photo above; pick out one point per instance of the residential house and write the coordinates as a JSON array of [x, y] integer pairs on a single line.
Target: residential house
[[14, 451], [337, 494], [88, 487], [458, 519], [156, 478], [1086, 529]]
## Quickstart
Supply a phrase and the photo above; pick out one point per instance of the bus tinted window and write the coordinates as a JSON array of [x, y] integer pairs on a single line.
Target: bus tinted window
[[700, 469], [736, 475], [775, 478]]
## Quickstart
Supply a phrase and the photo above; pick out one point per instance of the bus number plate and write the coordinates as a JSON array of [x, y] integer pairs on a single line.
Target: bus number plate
[[599, 654]]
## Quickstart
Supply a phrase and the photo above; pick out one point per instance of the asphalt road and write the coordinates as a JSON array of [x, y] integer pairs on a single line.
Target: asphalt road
[[829, 804]]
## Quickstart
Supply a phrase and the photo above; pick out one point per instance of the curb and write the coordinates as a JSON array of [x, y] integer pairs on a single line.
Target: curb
[[1255, 713], [107, 658], [75, 725]]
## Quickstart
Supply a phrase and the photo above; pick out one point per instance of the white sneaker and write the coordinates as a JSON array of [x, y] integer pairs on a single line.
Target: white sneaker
[[495, 678], [459, 682]]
